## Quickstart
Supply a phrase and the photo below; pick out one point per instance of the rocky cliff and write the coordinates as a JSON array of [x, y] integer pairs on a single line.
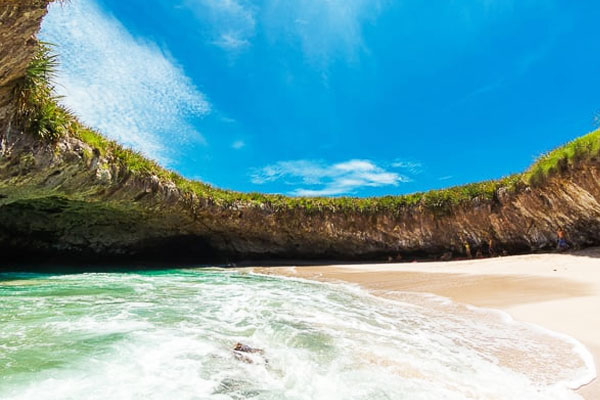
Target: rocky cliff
[[71, 198]]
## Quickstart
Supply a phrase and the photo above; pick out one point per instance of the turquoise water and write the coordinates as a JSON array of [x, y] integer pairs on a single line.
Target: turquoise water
[[169, 335]]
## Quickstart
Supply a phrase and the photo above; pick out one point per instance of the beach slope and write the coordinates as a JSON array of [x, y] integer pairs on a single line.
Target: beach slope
[[560, 292]]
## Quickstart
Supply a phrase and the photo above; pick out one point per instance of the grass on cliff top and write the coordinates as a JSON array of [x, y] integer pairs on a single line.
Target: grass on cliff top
[[435, 199], [42, 115], [584, 148], [133, 160]]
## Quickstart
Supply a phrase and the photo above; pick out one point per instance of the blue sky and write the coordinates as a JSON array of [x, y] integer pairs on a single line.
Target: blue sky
[[332, 97]]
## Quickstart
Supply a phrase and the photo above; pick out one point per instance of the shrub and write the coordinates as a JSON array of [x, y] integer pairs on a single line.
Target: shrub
[[37, 105]]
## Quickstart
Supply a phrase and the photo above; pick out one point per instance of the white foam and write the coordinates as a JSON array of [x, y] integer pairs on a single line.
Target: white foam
[[163, 336]]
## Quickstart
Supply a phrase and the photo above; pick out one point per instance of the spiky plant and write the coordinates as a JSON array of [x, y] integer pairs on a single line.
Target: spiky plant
[[37, 102]]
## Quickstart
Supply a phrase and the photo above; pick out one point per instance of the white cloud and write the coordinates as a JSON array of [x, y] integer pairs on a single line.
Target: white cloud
[[238, 144], [410, 166], [121, 85], [230, 24], [229, 41], [323, 29], [335, 179]]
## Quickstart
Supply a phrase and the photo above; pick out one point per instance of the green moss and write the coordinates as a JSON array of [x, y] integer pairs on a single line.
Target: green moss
[[26, 162]]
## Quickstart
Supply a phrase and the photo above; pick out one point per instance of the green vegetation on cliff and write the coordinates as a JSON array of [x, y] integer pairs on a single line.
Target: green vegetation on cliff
[[37, 103], [42, 115], [584, 148]]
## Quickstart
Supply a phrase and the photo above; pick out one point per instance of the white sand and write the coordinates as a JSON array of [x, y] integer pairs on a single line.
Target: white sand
[[560, 292]]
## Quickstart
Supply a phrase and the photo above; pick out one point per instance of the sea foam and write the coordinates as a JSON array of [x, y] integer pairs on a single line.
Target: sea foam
[[170, 334]]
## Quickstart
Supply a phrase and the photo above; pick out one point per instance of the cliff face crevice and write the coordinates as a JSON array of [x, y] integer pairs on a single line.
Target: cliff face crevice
[[68, 199]]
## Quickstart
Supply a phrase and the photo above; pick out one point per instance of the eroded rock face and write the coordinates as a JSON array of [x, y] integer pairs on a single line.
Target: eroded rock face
[[19, 22], [65, 199]]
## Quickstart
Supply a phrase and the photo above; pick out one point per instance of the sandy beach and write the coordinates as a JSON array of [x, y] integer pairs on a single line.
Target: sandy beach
[[560, 292]]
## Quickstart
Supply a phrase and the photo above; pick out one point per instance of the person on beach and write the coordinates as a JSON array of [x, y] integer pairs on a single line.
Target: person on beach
[[561, 244], [491, 250], [468, 250]]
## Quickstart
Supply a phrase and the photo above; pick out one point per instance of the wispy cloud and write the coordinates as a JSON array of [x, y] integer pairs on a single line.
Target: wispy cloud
[[238, 144], [121, 85], [229, 41], [229, 24], [323, 29], [327, 180], [414, 168], [520, 67]]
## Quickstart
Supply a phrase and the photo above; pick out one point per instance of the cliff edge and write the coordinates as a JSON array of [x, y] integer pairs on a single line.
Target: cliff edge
[[71, 193]]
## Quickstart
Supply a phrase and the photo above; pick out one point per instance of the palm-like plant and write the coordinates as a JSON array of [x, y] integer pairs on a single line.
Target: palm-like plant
[[37, 101]]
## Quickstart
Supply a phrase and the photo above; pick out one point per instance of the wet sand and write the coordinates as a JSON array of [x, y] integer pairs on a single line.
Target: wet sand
[[560, 292]]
